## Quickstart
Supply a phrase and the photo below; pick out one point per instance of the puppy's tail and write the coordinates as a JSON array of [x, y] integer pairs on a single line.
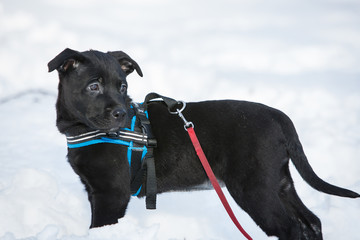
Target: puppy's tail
[[301, 163]]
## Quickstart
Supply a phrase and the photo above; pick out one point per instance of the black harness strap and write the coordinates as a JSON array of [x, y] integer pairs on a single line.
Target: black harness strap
[[137, 171], [149, 162], [151, 187], [170, 103]]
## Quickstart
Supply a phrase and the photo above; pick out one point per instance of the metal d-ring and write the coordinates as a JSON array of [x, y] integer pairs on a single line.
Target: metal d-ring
[[182, 108], [179, 112]]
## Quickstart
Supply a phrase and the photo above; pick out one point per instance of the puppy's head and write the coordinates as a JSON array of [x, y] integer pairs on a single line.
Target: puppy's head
[[93, 88]]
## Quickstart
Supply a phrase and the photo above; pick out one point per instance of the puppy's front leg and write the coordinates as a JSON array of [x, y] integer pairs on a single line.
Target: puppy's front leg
[[104, 170], [107, 208]]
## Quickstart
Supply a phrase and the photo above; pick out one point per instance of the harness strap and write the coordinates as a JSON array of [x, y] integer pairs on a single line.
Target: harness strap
[[170, 103], [149, 162], [137, 170], [122, 137], [151, 186]]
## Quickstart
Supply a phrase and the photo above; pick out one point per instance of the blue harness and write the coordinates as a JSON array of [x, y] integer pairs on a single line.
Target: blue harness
[[139, 141]]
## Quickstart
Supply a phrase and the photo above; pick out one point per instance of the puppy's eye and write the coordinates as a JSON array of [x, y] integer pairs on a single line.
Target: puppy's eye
[[94, 88], [123, 88]]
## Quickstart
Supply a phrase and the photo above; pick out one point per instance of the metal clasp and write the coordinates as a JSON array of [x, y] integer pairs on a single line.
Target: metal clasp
[[187, 124]]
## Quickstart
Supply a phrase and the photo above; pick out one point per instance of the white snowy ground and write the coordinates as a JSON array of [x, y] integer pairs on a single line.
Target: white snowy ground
[[302, 57]]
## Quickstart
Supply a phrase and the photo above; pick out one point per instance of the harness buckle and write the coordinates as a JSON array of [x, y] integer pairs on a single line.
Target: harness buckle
[[151, 142], [112, 134]]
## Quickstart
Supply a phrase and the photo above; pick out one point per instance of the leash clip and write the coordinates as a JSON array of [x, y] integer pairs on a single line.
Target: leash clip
[[187, 124]]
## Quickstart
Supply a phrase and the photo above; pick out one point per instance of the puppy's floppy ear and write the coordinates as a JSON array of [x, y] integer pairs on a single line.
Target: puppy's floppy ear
[[66, 60], [127, 63]]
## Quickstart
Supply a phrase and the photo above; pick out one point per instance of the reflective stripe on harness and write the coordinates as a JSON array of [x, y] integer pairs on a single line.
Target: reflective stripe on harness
[[125, 137]]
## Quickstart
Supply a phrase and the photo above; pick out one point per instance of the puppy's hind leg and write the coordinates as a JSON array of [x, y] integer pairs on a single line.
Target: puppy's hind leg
[[310, 224], [265, 208]]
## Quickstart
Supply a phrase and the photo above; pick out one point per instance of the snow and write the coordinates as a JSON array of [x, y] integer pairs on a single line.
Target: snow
[[298, 56]]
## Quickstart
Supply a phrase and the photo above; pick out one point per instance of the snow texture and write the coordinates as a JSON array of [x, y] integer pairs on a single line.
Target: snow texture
[[298, 56]]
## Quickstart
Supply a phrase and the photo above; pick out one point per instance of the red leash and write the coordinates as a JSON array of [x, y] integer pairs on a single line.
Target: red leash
[[213, 180], [189, 127]]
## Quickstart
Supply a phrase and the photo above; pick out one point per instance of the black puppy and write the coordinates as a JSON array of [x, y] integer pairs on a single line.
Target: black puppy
[[248, 146]]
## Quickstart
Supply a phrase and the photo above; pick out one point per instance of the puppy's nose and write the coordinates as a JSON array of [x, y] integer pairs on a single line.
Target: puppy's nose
[[118, 113]]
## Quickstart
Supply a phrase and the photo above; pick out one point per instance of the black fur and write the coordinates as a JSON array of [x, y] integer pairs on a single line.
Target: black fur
[[247, 144]]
